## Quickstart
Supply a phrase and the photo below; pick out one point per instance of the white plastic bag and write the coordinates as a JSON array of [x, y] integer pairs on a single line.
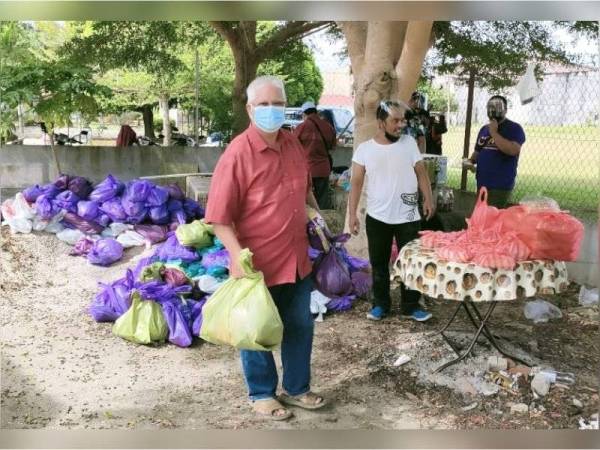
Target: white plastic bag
[[54, 226], [527, 86], [69, 236], [131, 238], [541, 311], [208, 283], [588, 297], [7, 209], [317, 304], [115, 229], [19, 225], [21, 208]]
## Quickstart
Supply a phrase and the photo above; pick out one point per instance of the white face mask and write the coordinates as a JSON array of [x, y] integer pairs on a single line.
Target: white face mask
[[268, 118]]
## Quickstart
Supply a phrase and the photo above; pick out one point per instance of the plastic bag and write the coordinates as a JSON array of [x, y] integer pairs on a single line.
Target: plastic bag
[[588, 297], [194, 270], [196, 307], [174, 277], [511, 245], [552, 235], [45, 207], [172, 249], [72, 220], [136, 211], [113, 300], [242, 313], [131, 238], [208, 284], [527, 86], [32, 193], [68, 201], [195, 234], [159, 214], [87, 210], [8, 212], [175, 191], [541, 311], [50, 190], [158, 196], [180, 333], [362, 282], [80, 186], [317, 305], [341, 303], [454, 252], [103, 220], [19, 225], [113, 209], [21, 208], [82, 247], [107, 189], [115, 229], [143, 322], [192, 209], [318, 233], [535, 203], [62, 182], [495, 260], [104, 252], [219, 258], [162, 292], [331, 275], [152, 233], [483, 216], [70, 236], [54, 226], [138, 190]]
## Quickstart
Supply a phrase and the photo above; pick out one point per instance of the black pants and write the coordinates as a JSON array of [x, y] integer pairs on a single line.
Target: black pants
[[321, 191], [380, 236]]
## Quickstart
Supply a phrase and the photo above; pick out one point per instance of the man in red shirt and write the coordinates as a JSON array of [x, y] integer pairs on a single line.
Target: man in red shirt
[[318, 139], [257, 200]]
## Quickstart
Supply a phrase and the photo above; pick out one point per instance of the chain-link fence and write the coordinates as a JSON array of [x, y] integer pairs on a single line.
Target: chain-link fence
[[561, 156]]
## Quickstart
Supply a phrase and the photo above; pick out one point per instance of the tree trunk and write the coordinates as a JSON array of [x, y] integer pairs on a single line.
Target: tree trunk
[[470, 91], [148, 116], [163, 101], [245, 71], [53, 148], [414, 49], [21, 121]]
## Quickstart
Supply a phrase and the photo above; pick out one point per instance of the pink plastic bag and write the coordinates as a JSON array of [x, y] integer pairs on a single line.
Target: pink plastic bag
[[484, 217], [511, 245], [495, 260], [454, 252]]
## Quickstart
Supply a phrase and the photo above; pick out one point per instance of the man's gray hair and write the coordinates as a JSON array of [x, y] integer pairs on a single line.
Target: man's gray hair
[[264, 80]]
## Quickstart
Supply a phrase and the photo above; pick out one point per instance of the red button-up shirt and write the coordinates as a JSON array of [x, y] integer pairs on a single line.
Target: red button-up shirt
[[262, 191], [314, 141]]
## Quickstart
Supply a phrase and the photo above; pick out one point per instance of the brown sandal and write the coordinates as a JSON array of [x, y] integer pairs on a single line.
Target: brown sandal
[[268, 407], [309, 400]]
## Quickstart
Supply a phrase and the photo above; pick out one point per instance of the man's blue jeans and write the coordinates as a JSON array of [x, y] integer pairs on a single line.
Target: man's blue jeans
[[293, 302]]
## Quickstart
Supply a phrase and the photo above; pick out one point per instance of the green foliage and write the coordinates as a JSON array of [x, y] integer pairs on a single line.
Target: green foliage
[[497, 51], [7, 122], [438, 98]]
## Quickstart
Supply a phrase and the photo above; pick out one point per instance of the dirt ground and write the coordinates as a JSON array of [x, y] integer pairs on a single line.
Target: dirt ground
[[61, 370]]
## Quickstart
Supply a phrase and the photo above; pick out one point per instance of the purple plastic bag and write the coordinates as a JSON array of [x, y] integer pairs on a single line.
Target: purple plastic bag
[[197, 315], [32, 193], [354, 264], [341, 303], [158, 196], [162, 292], [174, 277], [175, 191], [172, 249], [67, 200], [218, 258], [45, 207], [82, 247], [138, 190], [113, 209], [331, 276], [62, 182], [104, 252], [141, 264], [314, 239], [173, 226], [50, 190], [152, 233], [192, 209], [362, 283], [80, 187], [159, 215], [87, 210], [104, 219], [178, 217], [136, 211], [113, 300], [174, 205], [107, 189], [179, 331], [313, 254], [72, 220]]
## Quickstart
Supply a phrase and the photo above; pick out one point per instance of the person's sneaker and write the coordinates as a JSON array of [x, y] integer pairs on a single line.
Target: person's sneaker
[[419, 315], [377, 313]]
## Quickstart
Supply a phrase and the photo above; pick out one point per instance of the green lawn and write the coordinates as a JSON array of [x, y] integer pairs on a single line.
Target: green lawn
[[558, 162]]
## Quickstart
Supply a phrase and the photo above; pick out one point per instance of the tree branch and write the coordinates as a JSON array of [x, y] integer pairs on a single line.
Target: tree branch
[[298, 30], [225, 31]]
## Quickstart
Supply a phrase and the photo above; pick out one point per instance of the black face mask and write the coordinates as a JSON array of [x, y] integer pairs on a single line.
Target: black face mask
[[496, 110], [391, 137]]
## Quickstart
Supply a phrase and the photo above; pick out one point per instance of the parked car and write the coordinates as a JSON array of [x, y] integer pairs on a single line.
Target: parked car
[[342, 119]]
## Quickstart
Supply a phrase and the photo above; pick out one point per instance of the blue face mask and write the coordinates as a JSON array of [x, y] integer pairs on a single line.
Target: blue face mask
[[269, 118]]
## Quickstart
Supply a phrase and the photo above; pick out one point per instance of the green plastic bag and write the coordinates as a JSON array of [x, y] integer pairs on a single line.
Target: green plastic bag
[[152, 272], [242, 313], [196, 234], [143, 322]]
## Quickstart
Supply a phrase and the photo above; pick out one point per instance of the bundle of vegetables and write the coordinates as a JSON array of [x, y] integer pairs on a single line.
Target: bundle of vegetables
[[500, 238]]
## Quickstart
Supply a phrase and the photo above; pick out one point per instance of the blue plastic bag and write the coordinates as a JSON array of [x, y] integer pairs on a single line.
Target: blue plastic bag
[[217, 258], [45, 207], [32, 193], [341, 303], [159, 215], [62, 182], [113, 300], [136, 211], [192, 209], [175, 191]]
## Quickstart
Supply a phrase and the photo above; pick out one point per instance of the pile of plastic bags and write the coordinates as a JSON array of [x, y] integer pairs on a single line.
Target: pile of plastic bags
[[499, 238], [100, 221], [163, 296], [339, 277]]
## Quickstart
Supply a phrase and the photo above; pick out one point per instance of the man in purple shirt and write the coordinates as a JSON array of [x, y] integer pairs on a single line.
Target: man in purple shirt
[[497, 153]]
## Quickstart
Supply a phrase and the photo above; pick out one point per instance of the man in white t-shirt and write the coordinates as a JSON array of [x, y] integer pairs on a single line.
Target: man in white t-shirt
[[396, 173]]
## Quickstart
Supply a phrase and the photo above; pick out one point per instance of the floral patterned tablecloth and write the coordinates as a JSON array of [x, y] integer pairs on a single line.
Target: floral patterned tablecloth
[[420, 269]]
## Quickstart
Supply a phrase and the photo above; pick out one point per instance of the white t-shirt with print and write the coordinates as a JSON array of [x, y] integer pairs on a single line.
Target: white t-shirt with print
[[392, 190]]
